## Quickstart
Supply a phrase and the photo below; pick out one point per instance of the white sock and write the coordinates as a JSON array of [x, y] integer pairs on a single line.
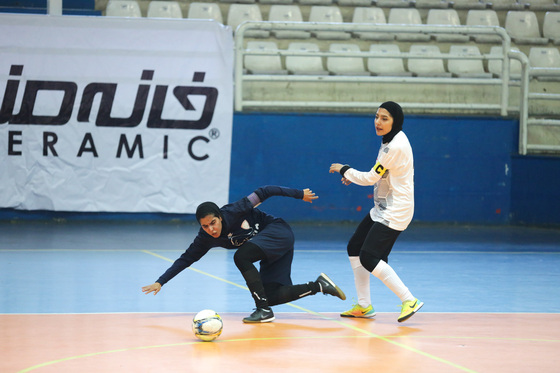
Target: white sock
[[389, 277], [361, 280]]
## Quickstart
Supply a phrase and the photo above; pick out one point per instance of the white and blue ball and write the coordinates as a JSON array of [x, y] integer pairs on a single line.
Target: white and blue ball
[[207, 325]]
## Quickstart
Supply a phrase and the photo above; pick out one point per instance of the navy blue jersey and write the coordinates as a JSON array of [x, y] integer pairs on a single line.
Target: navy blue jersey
[[241, 222]]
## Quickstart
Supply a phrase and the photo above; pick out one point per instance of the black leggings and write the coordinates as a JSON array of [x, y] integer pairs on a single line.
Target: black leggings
[[276, 293], [246, 255], [372, 242]]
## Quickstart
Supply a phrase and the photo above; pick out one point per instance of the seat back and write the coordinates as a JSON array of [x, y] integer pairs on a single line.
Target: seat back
[[547, 57], [345, 65], [389, 65], [465, 66], [287, 13], [522, 24], [305, 64], [199, 10], [164, 9], [495, 66], [405, 16], [426, 66], [263, 64], [239, 13], [369, 15], [329, 14], [551, 25], [443, 17], [123, 8], [482, 17]]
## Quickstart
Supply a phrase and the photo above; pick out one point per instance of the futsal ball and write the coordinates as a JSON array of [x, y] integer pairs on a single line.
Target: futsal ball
[[207, 325]]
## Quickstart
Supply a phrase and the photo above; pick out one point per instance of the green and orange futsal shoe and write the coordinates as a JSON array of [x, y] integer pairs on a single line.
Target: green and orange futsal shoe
[[409, 308], [359, 311]]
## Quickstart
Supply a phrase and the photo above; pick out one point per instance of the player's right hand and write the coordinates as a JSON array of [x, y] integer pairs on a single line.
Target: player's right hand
[[155, 288]]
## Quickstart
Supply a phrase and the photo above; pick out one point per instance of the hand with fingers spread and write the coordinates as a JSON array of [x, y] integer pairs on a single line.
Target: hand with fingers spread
[[335, 168], [308, 195], [155, 288]]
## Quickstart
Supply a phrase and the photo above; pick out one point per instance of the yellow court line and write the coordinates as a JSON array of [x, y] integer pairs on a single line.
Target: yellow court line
[[196, 270], [366, 333], [370, 334]]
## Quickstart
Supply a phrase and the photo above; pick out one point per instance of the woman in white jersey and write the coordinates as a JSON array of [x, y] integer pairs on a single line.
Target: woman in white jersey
[[370, 245]]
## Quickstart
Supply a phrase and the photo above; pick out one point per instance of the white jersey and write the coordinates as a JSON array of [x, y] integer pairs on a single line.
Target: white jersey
[[393, 180]]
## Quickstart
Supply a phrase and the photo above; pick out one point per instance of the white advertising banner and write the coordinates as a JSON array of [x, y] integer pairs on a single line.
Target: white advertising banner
[[114, 114]]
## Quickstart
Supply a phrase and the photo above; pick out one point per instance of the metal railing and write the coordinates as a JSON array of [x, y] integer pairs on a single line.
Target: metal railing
[[503, 80]]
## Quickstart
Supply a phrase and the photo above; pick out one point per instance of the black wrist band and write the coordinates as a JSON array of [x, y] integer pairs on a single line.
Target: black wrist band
[[344, 169]]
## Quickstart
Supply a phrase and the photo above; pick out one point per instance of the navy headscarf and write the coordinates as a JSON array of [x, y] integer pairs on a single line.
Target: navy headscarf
[[207, 208]]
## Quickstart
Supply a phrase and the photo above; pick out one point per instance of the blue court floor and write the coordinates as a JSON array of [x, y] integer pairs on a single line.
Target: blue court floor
[[98, 267], [71, 301]]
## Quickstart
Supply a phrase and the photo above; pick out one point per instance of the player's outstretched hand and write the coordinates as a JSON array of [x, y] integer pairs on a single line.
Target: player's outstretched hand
[[308, 195], [155, 288], [335, 167]]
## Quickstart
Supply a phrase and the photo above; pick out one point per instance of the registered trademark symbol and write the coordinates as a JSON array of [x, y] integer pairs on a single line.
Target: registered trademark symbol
[[214, 133]]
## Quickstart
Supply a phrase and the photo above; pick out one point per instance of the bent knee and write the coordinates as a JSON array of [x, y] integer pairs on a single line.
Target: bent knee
[[368, 260]]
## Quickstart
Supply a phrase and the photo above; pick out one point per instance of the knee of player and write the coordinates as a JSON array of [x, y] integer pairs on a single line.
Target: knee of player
[[368, 260]]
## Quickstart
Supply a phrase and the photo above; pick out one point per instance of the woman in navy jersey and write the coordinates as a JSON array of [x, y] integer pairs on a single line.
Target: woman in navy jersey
[[393, 180], [257, 236]]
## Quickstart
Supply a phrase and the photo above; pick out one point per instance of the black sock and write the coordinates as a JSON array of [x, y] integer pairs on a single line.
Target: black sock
[[290, 293], [255, 285]]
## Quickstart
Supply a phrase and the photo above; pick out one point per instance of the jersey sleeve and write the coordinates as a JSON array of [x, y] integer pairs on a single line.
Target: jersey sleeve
[[265, 192], [365, 178], [388, 158], [196, 250]]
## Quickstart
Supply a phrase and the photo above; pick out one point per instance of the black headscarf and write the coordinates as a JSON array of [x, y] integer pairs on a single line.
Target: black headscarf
[[398, 118], [207, 208]]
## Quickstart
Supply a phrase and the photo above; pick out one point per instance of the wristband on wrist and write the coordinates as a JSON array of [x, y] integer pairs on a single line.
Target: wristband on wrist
[[344, 169]]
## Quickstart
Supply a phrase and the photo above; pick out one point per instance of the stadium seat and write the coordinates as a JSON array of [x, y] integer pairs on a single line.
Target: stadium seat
[[263, 64], [544, 58], [391, 66], [501, 5], [547, 57], [123, 8], [239, 13], [523, 28], [466, 68], [371, 15], [345, 65], [543, 5], [329, 14], [484, 17], [447, 17], [469, 4], [287, 13], [205, 11], [551, 27], [427, 66], [495, 66], [164, 9], [305, 65], [407, 16]]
